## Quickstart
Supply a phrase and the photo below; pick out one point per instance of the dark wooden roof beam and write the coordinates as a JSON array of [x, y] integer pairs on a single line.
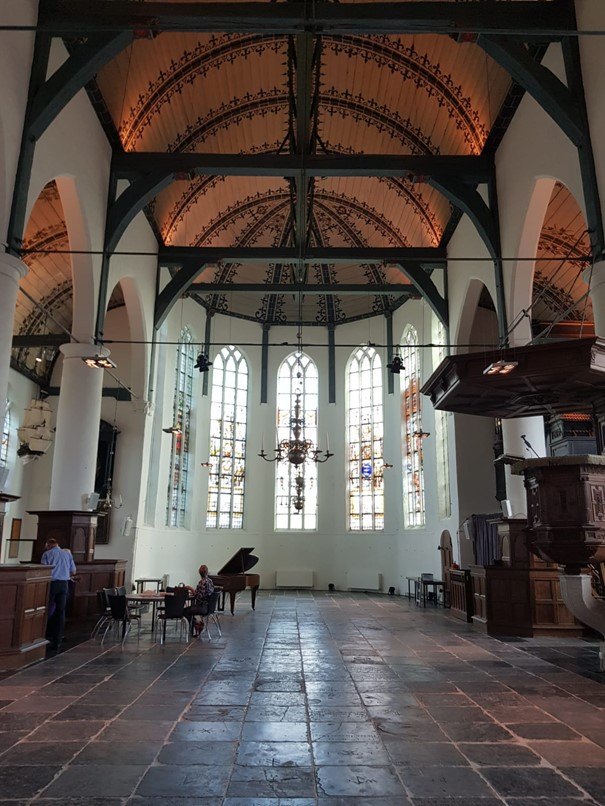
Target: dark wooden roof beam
[[340, 289], [529, 19], [135, 166], [429, 257]]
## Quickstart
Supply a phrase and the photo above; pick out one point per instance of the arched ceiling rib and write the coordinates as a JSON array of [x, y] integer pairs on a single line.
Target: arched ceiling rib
[[233, 93]]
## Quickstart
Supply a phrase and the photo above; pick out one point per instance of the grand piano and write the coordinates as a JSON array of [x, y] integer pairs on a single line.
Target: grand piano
[[234, 577]]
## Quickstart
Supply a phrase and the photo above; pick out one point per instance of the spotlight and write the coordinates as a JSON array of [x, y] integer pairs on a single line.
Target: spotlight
[[391, 591], [500, 367], [202, 363], [99, 362], [175, 430], [396, 365], [331, 587]]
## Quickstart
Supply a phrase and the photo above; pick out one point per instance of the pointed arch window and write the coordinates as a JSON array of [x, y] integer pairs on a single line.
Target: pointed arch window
[[413, 470], [6, 431], [178, 484], [228, 421], [365, 441], [441, 434], [297, 376]]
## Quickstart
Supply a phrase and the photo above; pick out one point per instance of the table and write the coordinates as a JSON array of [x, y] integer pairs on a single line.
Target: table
[[410, 581], [424, 584], [153, 598], [140, 583]]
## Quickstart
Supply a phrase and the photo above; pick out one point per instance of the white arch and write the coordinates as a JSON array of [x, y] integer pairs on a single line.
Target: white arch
[[472, 295], [522, 278], [139, 351]]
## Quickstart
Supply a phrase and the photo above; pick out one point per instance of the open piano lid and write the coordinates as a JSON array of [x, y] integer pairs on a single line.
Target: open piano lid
[[243, 560]]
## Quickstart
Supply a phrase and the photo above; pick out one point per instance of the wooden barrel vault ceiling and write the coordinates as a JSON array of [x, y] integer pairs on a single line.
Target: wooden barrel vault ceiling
[[298, 97], [240, 94]]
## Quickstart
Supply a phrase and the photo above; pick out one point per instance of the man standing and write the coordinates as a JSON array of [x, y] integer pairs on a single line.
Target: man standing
[[64, 569]]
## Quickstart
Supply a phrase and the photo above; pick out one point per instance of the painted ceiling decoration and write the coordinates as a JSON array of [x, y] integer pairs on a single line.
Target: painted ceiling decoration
[[49, 282], [250, 94], [237, 93], [560, 292]]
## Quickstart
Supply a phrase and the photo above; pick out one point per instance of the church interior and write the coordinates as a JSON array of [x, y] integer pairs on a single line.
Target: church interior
[[246, 247]]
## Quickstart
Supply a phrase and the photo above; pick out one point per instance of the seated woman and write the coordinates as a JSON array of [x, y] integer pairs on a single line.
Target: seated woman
[[201, 594]]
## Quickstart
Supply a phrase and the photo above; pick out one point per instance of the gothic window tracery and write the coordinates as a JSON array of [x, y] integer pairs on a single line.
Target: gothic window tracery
[[178, 483], [413, 468], [228, 422], [297, 376], [441, 434], [6, 430], [365, 441]]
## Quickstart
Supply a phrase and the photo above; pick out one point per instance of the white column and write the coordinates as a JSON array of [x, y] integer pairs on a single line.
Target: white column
[[597, 295], [12, 270], [532, 428], [77, 434]]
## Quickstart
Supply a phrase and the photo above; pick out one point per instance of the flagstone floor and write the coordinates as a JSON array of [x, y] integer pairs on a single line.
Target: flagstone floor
[[329, 699]]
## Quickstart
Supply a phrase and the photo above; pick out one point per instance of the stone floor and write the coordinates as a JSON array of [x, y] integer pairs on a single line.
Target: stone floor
[[314, 699]]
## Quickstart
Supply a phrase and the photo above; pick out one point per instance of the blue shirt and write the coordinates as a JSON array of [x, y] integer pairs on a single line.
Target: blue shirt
[[61, 561]]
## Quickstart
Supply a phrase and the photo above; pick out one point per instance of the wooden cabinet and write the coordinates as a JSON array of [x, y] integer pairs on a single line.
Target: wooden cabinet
[[24, 594], [73, 530], [92, 577], [460, 594]]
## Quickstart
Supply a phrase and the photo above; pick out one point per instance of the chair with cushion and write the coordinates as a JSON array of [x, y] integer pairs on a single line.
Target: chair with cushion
[[174, 607], [121, 616]]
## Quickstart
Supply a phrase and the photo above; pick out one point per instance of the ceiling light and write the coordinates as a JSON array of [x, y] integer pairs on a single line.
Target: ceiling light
[[500, 367], [396, 365], [99, 362], [202, 363]]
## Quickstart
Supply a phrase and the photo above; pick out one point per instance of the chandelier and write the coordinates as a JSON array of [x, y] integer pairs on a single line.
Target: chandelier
[[296, 449]]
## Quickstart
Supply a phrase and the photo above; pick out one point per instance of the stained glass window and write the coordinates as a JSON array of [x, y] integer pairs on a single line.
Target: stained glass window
[[441, 434], [413, 472], [297, 378], [365, 441], [228, 417], [178, 484], [6, 430]]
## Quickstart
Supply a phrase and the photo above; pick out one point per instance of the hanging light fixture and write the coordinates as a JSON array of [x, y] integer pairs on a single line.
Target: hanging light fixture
[[108, 501], [296, 449], [396, 365], [202, 363]]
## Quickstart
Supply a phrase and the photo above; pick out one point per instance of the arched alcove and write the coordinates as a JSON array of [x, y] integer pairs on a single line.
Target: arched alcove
[[129, 326], [478, 323]]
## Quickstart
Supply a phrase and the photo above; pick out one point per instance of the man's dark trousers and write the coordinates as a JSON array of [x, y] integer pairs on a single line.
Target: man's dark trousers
[[56, 622]]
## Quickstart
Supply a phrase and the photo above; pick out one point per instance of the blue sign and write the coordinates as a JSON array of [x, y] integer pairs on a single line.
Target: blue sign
[[366, 470]]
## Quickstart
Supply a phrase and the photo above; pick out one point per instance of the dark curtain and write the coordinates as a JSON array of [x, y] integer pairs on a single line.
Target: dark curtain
[[486, 543]]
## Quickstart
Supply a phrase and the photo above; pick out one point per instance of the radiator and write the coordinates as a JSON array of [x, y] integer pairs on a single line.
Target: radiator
[[363, 580], [294, 579]]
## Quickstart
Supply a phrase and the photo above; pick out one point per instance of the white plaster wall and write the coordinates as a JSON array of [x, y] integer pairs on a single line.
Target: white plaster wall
[[331, 551], [16, 50], [20, 391]]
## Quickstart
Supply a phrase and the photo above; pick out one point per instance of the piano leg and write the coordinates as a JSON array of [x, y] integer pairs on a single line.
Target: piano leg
[[232, 601], [253, 596]]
